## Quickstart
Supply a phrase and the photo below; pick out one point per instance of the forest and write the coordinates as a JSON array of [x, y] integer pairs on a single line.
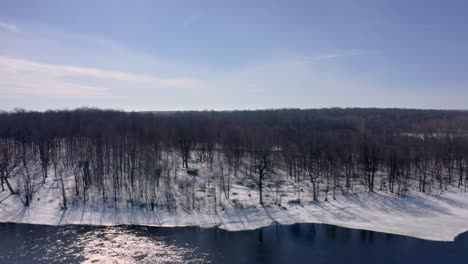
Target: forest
[[110, 155]]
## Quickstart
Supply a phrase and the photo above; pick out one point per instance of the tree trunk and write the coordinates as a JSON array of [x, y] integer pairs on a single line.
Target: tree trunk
[[63, 193], [5, 179], [260, 189]]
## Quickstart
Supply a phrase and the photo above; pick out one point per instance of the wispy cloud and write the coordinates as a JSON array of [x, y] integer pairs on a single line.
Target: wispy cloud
[[9, 27], [336, 55], [18, 65], [191, 19], [19, 76]]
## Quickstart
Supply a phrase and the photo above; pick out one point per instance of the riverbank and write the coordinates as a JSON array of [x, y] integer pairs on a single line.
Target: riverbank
[[431, 217]]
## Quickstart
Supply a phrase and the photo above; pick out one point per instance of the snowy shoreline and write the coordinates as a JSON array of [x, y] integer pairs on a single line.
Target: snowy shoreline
[[431, 217]]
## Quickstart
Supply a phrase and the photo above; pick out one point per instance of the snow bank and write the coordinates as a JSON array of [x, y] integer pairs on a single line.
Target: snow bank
[[422, 216]]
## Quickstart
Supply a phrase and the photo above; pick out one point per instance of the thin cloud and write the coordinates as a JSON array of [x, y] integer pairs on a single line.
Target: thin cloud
[[191, 19], [18, 65], [9, 27], [23, 77], [336, 55]]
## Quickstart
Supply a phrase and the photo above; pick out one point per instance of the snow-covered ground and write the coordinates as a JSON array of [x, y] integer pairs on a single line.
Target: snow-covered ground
[[419, 215]]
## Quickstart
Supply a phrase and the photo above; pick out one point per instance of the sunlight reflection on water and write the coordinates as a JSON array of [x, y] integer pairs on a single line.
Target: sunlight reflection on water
[[120, 245]]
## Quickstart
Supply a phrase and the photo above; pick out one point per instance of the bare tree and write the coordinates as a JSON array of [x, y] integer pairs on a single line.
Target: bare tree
[[9, 161]]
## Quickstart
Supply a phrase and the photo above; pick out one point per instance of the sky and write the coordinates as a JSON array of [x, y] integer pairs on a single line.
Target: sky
[[225, 55]]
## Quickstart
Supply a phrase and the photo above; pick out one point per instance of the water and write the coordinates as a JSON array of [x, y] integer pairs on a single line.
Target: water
[[300, 243]]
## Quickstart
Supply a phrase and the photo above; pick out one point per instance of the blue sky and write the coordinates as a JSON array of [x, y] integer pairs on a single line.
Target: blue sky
[[195, 55]]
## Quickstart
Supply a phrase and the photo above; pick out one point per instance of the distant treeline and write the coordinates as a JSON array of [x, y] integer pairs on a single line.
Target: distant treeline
[[133, 154]]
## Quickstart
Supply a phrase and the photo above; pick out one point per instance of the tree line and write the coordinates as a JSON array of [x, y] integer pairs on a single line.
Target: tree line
[[111, 154]]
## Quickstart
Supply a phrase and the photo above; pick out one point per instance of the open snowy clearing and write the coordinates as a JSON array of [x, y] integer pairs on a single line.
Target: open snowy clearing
[[419, 215]]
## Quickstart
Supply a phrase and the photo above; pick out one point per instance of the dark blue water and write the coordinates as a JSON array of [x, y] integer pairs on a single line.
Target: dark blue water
[[300, 243]]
